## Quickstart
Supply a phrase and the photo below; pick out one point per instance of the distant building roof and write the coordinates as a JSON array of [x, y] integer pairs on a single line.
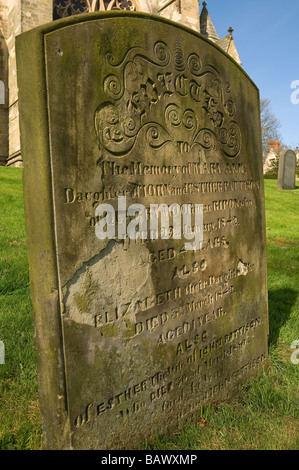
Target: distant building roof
[[228, 45], [208, 30], [274, 145], [206, 24]]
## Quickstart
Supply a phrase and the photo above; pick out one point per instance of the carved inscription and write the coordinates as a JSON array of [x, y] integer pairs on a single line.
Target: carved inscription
[[207, 386], [177, 87]]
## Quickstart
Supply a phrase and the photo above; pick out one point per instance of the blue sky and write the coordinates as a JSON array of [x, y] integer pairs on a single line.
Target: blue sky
[[266, 33]]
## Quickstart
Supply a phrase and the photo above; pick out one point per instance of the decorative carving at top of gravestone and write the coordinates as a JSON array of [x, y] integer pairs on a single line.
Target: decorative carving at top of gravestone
[[135, 333], [178, 88], [287, 170]]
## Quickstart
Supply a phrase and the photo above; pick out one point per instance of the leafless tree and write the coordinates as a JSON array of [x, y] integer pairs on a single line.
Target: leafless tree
[[270, 125]]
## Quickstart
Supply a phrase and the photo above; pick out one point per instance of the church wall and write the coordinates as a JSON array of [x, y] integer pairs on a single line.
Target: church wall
[[22, 16], [182, 11]]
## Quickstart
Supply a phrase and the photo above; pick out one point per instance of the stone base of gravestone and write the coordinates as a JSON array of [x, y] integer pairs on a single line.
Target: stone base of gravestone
[[287, 170]]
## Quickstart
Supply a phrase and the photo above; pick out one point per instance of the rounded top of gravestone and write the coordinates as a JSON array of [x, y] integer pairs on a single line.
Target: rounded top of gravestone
[[288, 153]]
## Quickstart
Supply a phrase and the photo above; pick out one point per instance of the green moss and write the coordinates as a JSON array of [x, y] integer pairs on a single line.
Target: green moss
[[109, 331], [87, 294], [129, 332]]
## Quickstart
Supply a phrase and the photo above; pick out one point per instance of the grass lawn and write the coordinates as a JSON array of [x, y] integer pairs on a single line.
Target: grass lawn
[[266, 417]]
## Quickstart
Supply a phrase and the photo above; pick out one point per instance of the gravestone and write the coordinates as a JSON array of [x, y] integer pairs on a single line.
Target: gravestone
[[287, 170], [133, 336]]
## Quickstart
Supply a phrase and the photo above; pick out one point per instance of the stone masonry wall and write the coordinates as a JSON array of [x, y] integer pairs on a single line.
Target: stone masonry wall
[[22, 16], [182, 11]]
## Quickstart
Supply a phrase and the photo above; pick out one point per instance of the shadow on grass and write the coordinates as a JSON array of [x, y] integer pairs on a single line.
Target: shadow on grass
[[281, 302]]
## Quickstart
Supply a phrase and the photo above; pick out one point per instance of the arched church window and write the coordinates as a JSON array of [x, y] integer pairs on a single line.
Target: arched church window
[[63, 8]]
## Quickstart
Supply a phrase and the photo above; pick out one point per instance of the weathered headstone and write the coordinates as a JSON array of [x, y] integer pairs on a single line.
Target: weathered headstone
[[287, 170], [133, 336]]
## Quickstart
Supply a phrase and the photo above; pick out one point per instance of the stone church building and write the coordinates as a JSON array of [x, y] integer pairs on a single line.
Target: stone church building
[[17, 16]]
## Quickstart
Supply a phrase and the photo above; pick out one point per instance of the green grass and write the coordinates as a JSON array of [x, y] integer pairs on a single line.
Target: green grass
[[19, 411], [265, 417]]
